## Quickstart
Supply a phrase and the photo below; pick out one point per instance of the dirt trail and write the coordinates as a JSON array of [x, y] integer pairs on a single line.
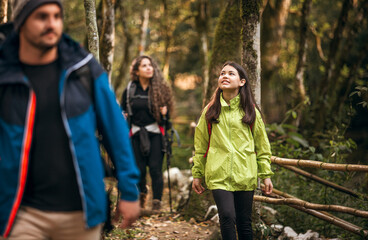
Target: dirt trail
[[165, 225]]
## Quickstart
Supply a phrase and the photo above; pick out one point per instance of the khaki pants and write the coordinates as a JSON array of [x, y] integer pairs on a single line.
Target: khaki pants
[[32, 224]]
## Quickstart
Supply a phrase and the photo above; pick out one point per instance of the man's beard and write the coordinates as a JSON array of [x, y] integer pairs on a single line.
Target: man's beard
[[45, 47]]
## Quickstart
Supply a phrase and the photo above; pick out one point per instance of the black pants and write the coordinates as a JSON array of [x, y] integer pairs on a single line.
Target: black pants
[[153, 161], [234, 208]]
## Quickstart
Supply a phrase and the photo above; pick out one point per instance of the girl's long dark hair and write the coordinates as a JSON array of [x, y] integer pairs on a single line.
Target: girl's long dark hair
[[247, 101], [159, 91]]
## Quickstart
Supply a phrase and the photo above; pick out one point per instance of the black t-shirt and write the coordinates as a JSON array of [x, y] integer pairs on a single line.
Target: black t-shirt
[[51, 182], [142, 115]]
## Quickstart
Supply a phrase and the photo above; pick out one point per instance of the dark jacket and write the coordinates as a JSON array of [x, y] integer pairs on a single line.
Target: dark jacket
[[83, 113]]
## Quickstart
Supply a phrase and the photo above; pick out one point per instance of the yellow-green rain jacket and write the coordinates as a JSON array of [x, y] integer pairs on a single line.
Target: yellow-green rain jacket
[[236, 156]]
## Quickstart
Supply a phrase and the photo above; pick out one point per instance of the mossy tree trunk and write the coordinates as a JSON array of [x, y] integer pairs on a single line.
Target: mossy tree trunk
[[250, 34], [107, 42], [226, 43], [3, 11], [251, 61], [92, 30]]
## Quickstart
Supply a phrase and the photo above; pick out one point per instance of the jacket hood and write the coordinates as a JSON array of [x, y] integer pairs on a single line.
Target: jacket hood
[[69, 53]]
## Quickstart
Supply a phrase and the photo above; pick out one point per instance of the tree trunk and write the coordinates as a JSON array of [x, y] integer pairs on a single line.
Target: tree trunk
[[107, 42], [167, 39], [202, 25], [302, 55], [334, 47], [323, 99], [3, 11], [92, 30], [251, 54], [226, 43], [343, 89], [123, 68], [144, 29], [251, 61], [274, 17]]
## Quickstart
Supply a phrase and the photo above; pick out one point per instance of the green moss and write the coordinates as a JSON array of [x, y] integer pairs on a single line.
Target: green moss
[[226, 44], [250, 7]]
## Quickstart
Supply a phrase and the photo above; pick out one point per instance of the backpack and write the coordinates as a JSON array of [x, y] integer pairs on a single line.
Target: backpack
[[84, 75], [131, 88]]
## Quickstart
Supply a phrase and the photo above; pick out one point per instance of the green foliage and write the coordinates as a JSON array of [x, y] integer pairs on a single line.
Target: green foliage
[[361, 92], [330, 147]]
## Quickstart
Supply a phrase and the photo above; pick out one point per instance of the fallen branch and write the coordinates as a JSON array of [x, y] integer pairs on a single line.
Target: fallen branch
[[324, 216], [321, 165], [325, 182], [315, 206]]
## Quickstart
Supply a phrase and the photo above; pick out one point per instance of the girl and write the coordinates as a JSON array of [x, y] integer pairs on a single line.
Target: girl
[[231, 151], [147, 102]]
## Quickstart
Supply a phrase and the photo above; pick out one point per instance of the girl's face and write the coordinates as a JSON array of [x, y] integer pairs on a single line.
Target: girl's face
[[145, 69], [229, 79]]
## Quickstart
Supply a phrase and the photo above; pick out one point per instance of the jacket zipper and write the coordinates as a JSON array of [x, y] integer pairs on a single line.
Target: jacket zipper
[[68, 131], [24, 161], [232, 150]]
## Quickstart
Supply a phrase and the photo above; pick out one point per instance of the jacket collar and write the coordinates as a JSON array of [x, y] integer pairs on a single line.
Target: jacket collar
[[233, 102], [69, 53]]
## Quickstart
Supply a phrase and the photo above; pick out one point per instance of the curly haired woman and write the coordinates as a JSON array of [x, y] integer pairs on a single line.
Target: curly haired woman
[[147, 102]]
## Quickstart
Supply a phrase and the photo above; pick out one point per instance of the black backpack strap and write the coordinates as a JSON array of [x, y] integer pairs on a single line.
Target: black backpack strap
[[130, 93]]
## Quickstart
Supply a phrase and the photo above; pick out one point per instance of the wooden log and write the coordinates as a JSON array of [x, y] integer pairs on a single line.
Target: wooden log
[[321, 165], [323, 215], [308, 205], [335, 221], [325, 182]]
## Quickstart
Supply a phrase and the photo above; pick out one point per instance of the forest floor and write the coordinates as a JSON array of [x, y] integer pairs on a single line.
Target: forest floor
[[163, 224]]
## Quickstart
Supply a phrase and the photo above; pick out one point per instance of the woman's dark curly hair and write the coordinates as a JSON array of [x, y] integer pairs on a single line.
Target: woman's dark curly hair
[[247, 101], [159, 91]]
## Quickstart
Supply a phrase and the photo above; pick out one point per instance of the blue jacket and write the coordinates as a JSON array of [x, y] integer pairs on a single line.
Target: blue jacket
[[82, 114]]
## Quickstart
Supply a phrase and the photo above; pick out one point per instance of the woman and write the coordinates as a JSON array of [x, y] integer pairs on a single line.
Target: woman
[[231, 151], [147, 103]]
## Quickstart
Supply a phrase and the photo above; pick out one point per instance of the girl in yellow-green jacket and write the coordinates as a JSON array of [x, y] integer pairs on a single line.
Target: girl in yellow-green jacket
[[231, 151]]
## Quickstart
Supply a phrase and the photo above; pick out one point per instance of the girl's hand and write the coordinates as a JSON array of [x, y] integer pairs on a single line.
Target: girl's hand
[[197, 186], [163, 110], [268, 187]]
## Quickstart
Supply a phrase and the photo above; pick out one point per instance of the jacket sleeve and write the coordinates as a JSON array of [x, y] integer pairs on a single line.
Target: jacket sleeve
[[262, 148], [115, 133], [201, 138]]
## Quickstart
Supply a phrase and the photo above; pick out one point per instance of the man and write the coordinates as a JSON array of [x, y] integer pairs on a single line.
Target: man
[[53, 97]]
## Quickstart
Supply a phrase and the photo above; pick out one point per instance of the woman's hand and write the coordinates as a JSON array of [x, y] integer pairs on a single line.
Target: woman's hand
[[197, 186], [268, 187], [163, 110]]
